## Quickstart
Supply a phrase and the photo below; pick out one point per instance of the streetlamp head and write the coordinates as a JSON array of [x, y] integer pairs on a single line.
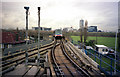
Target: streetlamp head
[[27, 8], [38, 8]]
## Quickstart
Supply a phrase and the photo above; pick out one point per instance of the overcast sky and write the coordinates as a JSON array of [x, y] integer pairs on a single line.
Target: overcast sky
[[61, 13]]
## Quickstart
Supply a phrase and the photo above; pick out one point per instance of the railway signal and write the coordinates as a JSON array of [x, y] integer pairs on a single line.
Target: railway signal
[[38, 58], [26, 53]]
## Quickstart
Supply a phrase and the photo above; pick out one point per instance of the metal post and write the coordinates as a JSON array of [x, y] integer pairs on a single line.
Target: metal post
[[46, 58], [95, 56], [26, 53], [100, 61], [115, 54], [111, 67], [38, 59], [96, 37]]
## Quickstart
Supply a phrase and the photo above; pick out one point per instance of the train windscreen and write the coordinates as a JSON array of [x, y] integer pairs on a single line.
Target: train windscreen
[[58, 32]]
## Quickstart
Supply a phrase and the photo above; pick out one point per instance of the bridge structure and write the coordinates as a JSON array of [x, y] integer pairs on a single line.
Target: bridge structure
[[58, 58], [53, 58]]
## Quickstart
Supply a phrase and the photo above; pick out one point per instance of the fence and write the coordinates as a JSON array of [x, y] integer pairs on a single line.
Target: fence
[[106, 62], [23, 47]]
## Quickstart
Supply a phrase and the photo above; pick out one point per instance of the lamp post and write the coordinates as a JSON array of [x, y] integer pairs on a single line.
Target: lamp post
[[26, 53], [38, 58]]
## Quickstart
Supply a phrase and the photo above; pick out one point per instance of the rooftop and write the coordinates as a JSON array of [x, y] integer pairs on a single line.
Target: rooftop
[[101, 46]]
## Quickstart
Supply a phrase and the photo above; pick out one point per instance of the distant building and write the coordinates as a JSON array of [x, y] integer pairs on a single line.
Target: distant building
[[75, 30], [65, 29], [99, 31], [9, 39], [81, 24], [42, 28], [92, 29], [69, 29]]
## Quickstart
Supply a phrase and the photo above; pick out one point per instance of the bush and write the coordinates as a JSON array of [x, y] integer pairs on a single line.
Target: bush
[[91, 43]]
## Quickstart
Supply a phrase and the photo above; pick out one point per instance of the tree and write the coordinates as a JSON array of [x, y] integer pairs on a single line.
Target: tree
[[81, 34], [91, 43], [85, 31]]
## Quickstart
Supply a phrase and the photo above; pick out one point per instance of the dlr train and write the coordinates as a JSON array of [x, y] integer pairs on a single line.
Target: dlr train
[[58, 34]]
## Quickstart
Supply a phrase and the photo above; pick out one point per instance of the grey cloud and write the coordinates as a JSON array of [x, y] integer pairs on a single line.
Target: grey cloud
[[14, 14]]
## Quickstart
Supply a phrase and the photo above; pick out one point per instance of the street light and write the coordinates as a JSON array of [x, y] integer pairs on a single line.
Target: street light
[[26, 53]]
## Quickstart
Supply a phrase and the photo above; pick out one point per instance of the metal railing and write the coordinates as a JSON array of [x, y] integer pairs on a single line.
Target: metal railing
[[106, 63], [8, 51]]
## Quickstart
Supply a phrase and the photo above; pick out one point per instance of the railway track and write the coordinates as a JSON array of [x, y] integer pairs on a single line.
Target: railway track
[[83, 62], [11, 61], [76, 52], [62, 63]]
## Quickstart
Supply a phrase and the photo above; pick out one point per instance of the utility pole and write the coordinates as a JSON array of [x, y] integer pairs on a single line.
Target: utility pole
[[26, 53], [38, 58]]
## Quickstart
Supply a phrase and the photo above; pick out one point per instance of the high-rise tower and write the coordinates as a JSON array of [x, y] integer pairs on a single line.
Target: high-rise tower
[[81, 29], [81, 24]]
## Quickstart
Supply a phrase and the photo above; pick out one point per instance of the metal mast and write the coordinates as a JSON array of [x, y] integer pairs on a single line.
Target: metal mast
[[38, 58], [115, 53], [26, 53]]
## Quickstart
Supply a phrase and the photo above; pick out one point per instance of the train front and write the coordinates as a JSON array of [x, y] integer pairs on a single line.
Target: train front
[[58, 34]]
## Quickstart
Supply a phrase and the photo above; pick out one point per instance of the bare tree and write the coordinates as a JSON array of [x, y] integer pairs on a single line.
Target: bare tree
[[85, 31]]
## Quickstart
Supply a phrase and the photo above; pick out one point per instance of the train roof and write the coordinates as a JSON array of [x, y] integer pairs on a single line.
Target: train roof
[[57, 29]]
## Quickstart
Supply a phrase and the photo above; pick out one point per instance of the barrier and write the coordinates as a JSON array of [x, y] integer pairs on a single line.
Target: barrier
[[23, 48], [106, 63]]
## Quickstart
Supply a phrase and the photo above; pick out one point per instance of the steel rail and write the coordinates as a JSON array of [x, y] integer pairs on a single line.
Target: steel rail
[[54, 60], [21, 58], [73, 61], [66, 65], [19, 53], [96, 72], [9, 58], [59, 71], [20, 61]]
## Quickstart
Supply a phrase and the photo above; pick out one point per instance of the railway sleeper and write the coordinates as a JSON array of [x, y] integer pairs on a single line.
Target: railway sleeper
[[72, 54], [58, 70], [60, 74], [31, 59], [75, 57], [82, 65], [80, 62], [88, 66], [8, 70]]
